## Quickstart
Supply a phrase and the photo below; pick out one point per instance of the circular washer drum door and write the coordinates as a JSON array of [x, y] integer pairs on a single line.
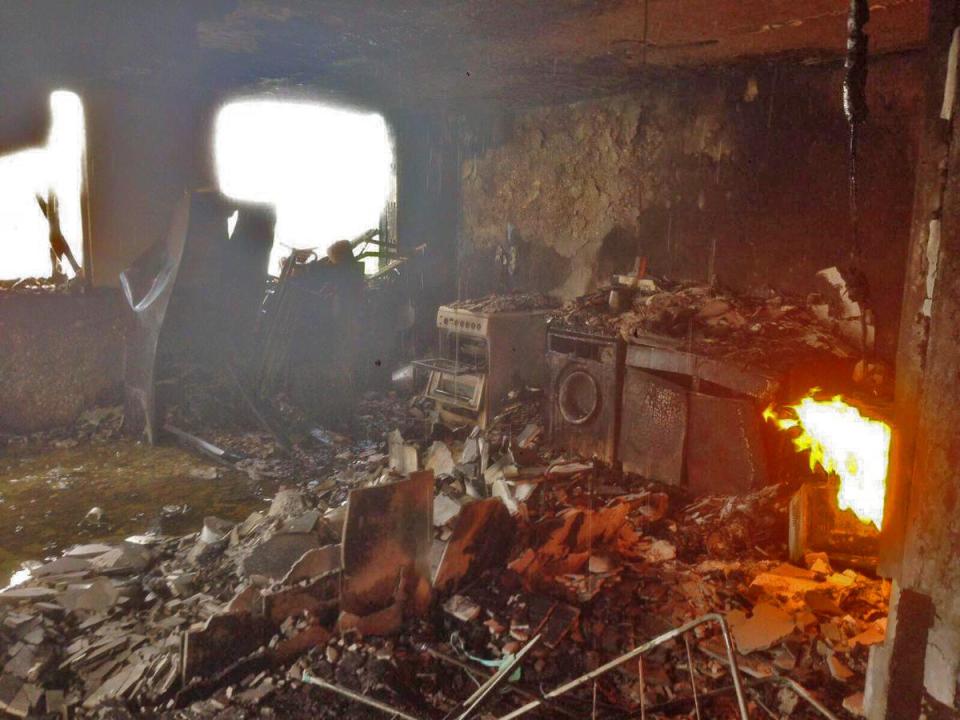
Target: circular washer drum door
[[579, 397]]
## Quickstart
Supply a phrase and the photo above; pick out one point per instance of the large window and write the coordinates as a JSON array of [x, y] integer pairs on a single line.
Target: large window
[[53, 170], [328, 171]]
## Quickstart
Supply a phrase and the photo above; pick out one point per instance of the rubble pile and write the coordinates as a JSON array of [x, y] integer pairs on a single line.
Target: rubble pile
[[763, 332], [507, 302], [44, 285], [542, 568], [96, 425]]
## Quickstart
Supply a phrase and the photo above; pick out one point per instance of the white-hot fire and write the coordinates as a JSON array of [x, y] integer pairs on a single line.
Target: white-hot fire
[[844, 442]]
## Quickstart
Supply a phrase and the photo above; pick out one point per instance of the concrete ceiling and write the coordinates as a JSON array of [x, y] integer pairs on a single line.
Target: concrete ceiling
[[439, 49], [423, 51]]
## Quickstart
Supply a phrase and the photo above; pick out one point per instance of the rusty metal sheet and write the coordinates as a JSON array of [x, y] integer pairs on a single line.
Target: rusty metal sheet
[[387, 536], [725, 453], [481, 539], [653, 427], [743, 380]]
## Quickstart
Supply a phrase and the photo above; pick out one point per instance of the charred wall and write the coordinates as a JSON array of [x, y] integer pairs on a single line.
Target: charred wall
[[737, 172], [59, 354]]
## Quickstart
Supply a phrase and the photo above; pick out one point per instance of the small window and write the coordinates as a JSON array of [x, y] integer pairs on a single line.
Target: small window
[[328, 171], [51, 175]]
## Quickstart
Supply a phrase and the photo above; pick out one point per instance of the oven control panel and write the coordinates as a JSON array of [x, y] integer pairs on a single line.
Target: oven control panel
[[461, 321]]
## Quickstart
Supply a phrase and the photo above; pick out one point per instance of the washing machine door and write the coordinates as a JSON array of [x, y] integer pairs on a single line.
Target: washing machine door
[[579, 396], [583, 409]]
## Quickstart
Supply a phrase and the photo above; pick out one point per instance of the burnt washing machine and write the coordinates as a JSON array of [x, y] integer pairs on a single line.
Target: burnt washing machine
[[586, 380]]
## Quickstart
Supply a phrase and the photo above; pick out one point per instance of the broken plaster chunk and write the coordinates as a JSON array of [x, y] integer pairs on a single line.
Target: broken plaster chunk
[[567, 469], [27, 594], [462, 608], [403, 457], [838, 669], [660, 551], [250, 524], [853, 704], [244, 601], [445, 509], [523, 490], [97, 596], [275, 557], [88, 551], [303, 523], [62, 566], [381, 622], [314, 563], [287, 503], [501, 490], [439, 459], [215, 529], [766, 627], [873, 635]]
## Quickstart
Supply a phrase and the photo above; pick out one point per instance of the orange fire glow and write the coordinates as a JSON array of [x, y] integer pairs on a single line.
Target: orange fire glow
[[844, 442]]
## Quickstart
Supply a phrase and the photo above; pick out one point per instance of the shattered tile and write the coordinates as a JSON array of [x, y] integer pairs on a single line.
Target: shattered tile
[[838, 670], [767, 626], [274, 557], [314, 563]]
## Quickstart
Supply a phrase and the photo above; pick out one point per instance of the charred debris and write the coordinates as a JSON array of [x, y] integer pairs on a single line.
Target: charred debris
[[508, 550]]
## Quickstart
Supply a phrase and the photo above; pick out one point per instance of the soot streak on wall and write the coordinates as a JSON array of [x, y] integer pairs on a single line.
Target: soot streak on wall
[[743, 170]]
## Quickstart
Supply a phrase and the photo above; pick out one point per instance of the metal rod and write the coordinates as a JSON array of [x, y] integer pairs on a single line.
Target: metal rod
[[356, 697], [638, 651], [525, 694], [468, 669], [504, 672], [786, 682], [693, 679], [668, 704], [643, 690], [804, 693]]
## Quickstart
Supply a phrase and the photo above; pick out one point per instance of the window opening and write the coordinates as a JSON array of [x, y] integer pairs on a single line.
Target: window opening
[[328, 172], [38, 182]]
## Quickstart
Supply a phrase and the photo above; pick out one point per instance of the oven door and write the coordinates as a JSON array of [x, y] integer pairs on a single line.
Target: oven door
[[465, 390]]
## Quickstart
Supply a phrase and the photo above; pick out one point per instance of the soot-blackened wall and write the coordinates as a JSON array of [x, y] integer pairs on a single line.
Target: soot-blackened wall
[[743, 171]]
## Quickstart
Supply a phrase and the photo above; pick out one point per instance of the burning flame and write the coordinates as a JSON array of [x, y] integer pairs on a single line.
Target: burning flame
[[843, 442]]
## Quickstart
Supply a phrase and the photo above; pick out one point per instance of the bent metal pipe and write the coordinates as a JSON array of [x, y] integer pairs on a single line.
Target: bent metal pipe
[[642, 649]]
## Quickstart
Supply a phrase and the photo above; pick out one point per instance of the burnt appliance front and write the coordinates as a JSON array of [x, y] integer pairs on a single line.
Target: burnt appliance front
[[481, 358], [586, 376]]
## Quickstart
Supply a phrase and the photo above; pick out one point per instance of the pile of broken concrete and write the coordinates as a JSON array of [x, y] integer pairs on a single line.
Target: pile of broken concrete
[[449, 562]]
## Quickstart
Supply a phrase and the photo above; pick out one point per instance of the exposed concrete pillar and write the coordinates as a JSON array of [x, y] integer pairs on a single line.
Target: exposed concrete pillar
[[895, 677], [922, 542], [145, 147]]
